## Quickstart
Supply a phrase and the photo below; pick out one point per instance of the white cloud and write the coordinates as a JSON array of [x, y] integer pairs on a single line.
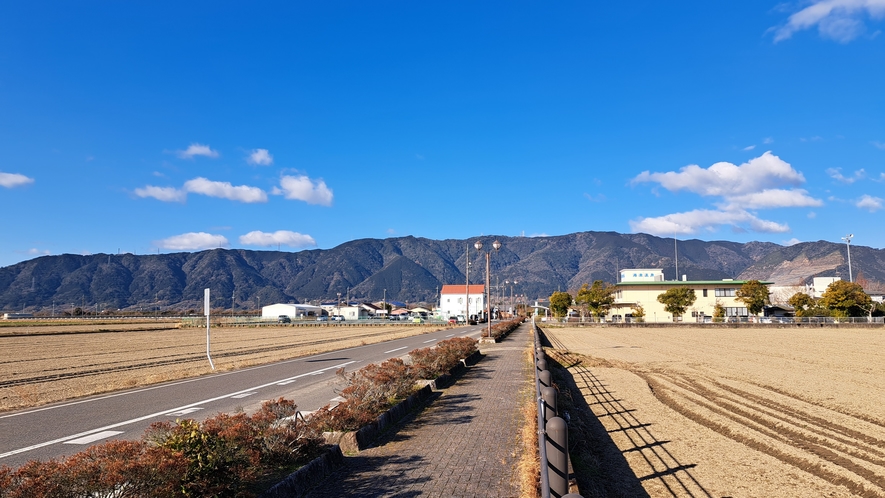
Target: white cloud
[[749, 147], [704, 219], [836, 174], [38, 252], [197, 150], [302, 188], [224, 190], [284, 237], [165, 194], [772, 198], [756, 184], [879, 145], [260, 157], [792, 242], [193, 241], [724, 179], [839, 20], [767, 140], [870, 203], [10, 180]]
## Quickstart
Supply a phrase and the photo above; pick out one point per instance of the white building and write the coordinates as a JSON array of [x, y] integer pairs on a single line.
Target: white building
[[293, 311], [454, 300], [643, 289], [819, 285]]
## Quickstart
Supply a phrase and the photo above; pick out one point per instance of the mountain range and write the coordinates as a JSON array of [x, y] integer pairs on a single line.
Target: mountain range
[[408, 269]]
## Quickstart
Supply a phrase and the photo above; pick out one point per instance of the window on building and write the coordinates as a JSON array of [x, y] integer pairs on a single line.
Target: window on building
[[705, 292], [726, 292], [460, 300], [736, 312]]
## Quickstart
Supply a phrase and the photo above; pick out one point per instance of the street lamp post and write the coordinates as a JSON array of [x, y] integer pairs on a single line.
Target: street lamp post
[[497, 245], [847, 240], [467, 288]]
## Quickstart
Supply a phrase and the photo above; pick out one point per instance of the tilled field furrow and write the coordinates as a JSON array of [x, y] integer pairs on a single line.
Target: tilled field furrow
[[826, 428], [816, 439], [866, 417], [112, 366], [822, 431], [764, 435]]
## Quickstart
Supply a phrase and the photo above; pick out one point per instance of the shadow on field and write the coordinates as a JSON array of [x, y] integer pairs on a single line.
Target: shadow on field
[[600, 467]]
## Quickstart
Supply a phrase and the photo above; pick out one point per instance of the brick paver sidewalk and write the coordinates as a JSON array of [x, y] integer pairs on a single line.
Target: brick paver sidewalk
[[465, 443]]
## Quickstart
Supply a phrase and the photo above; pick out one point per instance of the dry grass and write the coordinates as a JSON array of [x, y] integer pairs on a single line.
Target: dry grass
[[736, 412], [46, 367], [529, 465]]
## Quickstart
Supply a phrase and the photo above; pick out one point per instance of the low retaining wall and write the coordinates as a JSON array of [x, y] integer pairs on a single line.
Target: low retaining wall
[[296, 483], [352, 442]]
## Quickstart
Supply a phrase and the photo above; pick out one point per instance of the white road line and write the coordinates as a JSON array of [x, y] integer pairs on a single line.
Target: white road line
[[94, 437], [397, 349], [157, 414], [432, 340], [244, 395], [286, 383], [450, 335], [186, 411]]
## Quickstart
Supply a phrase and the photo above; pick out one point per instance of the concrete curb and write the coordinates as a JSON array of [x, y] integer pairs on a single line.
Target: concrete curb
[[298, 482], [351, 442]]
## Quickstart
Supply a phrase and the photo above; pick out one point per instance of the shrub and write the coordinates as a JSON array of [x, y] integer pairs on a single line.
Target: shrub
[[219, 457], [430, 363], [370, 391], [217, 452], [117, 468]]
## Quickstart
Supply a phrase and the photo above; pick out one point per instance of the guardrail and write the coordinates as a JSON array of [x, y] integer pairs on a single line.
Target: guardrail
[[552, 429]]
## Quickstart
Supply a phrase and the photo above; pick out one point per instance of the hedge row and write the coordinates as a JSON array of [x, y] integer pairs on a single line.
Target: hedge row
[[226, 455], [501, 329], [373, 389], [222, 456]]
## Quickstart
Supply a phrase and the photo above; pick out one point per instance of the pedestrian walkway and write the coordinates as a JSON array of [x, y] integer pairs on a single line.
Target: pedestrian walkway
[[464, 443]]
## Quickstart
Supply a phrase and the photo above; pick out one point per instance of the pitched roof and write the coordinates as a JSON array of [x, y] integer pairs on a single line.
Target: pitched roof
[[459, 289]]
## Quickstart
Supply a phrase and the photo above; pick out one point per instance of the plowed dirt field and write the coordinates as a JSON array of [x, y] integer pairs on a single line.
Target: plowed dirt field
[[40, 365], [735, 412]]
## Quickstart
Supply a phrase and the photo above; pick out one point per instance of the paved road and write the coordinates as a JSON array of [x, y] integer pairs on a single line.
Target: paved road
[[65, 428]]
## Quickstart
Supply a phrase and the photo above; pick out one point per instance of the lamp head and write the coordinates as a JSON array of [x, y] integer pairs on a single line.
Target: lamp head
[[478, 245], [496, 245]]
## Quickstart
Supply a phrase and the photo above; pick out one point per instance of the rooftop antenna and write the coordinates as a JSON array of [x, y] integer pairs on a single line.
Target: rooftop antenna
[[676, 254], [847, 240]]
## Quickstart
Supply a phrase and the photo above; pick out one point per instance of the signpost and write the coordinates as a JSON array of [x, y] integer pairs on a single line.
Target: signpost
[[206, 312]]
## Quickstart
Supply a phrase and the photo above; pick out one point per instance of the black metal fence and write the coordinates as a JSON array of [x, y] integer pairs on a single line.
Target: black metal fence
[[552, 430]]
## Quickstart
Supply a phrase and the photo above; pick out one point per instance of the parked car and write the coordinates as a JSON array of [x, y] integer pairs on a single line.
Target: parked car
[[337, 318], [284, 319], [453, 320], [417, 319], [322, 318]]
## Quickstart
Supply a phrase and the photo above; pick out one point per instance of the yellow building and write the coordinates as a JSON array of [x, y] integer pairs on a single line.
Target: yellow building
[[642, 286]]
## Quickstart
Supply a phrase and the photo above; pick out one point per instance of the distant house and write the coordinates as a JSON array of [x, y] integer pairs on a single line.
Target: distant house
[[291, 310], [641, 287], [457, 300]]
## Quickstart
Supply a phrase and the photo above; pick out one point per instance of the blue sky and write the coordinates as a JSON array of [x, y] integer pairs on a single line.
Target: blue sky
[[149, 127]]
